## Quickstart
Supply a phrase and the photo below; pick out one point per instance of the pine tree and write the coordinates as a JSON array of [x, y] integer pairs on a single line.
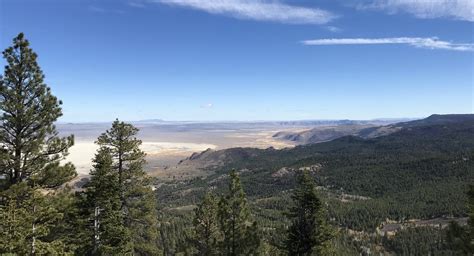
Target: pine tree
[[30, 155], [137, 200], [27, 218], [108, 235], [67, 229], [206, 230], [31, 146], [14, 221], [253, 240], [459, 238], [470, 196], [235, 224], [309, 232]]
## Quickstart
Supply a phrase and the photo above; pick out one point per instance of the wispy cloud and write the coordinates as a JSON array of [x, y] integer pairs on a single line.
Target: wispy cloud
[[97, 9], [420, 42], [136, 4], [261, 10], [334, 29], [456, 9], [207, 105]]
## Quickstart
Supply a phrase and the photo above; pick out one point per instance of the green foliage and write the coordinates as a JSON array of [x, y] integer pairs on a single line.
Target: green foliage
[[67, 229], [457, 238], [418, 241], [108, 235], [55, 175], [461, 239], [14, 221], [119, 208], [239, 234], [224, 226], [27, 218], [309, 231], [418, 173], [124, 148], [31, 148], [206, 226], [33, 222], [471, 216], [137, 200], [174, 230]]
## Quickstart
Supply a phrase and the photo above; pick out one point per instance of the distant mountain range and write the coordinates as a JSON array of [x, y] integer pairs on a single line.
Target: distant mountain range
[[316, 122], [363, 129]]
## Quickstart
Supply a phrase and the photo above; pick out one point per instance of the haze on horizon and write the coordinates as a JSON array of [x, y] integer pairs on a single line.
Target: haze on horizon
[[242, 60], [237, 127]]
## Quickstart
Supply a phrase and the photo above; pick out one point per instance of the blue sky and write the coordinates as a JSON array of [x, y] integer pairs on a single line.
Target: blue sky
[[250, 60]]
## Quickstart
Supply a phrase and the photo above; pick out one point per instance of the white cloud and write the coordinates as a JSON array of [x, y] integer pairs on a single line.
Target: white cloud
[[208, 105], [136, 4], [102, 10], [456, 9], [261, 10], [420, 42], [334, 29]]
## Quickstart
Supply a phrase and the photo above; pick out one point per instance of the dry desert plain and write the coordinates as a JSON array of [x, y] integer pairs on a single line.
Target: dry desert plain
[[166, 143]]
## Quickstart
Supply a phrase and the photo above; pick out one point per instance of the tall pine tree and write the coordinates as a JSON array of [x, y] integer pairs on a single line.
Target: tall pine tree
[[30, 155], [137, 200], [107, 233], [240, 235], [309, 232], [206, 229], [31, 146]]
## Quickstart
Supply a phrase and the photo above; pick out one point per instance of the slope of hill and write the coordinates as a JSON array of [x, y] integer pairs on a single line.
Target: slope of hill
[[365, 130], [419, 172], [321, 134], [436, 119]]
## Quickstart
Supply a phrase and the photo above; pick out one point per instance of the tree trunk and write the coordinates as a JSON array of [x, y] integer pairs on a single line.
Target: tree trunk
[[96, 230], [33, 229]]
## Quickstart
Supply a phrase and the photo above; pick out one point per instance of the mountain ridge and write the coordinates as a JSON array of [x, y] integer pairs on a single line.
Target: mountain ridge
[[211, 160], [366, 131]]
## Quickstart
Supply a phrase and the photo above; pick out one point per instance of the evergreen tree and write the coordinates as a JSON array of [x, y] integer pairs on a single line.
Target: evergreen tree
[[239, 234], [253, 240], [30, 155], [108, 235], [461, 239], [309, 232], [470, 196], [68, 229], [31, 146], [27, 218], [137, 200], [206, 230]]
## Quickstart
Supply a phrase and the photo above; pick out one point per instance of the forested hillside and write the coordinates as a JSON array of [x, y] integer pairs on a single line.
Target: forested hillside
[[420, 172]]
